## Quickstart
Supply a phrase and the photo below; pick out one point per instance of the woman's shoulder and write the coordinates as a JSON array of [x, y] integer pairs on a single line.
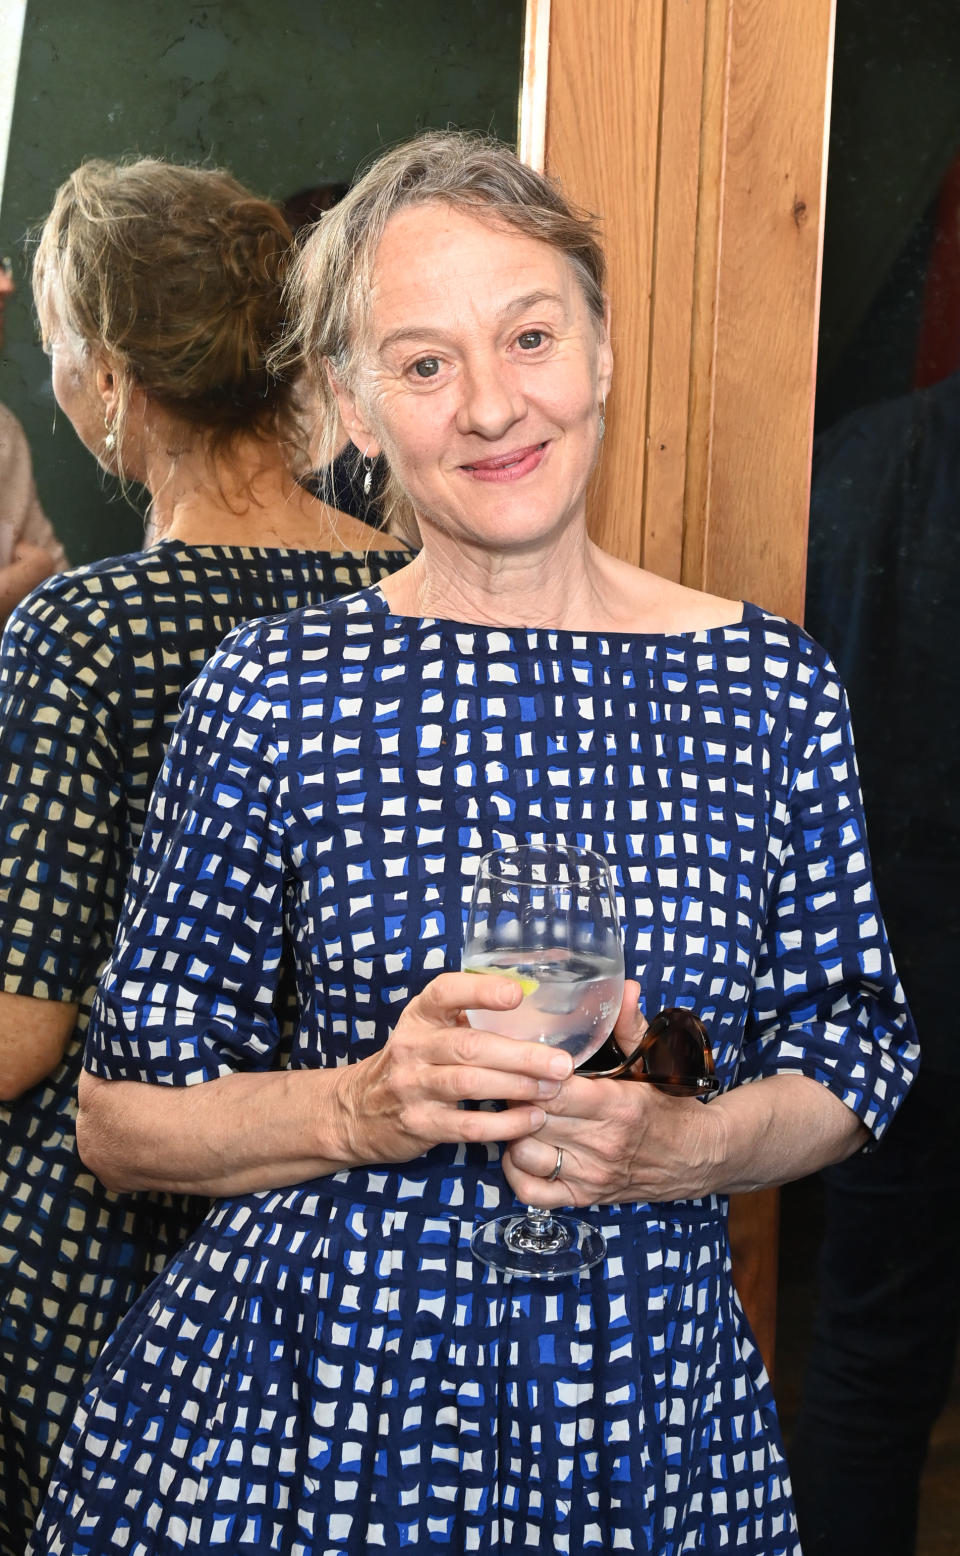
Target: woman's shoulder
[[94, 587], [652, 605]]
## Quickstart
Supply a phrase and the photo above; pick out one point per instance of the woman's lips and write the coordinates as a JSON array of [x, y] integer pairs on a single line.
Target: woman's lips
[[507, 467]]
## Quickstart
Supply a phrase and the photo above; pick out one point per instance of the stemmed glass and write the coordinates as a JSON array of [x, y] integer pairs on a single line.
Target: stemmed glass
[[546, 915]]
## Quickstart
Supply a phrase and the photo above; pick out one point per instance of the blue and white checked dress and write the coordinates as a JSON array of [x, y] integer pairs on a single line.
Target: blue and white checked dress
[[325, 1369]]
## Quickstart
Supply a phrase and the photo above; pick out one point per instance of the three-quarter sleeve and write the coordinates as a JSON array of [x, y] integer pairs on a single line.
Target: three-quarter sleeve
[[827, 1002], [60, 794], [190, 991]]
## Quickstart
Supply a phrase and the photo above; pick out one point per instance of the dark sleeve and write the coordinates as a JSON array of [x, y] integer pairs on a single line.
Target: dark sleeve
[[60, 797], [190, 991], [828, 1003]]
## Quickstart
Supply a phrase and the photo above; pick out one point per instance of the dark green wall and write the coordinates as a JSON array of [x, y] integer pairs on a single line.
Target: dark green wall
[[285, 93]]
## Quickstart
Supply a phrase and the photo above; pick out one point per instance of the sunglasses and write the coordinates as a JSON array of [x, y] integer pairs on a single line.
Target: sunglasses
[[674, 1055]]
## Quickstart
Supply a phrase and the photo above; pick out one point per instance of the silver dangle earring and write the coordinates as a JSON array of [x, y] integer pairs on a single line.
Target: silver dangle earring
[[110, 441], [603, 419], [367, 464]]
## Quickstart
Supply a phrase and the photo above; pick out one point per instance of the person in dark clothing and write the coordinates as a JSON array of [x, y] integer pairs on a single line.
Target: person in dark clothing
[[883, 590]]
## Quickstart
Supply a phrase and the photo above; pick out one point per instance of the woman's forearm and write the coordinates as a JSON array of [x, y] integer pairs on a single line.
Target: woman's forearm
[[33, 1036], [228, 1136], [29, 567], [775, 1130]]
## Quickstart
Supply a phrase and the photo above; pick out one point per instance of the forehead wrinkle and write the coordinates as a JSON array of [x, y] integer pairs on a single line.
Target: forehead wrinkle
[[516, 305]]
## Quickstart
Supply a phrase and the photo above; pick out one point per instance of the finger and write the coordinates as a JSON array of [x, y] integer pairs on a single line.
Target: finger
[[535, 1155], [447, 995], [596, 1100], [512, 1124], [491, 1051], [437, 1123], [473, 1083], [630, 1023], [534, 1190]]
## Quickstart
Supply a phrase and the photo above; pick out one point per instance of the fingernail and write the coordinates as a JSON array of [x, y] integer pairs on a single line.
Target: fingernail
[[547, 1089], [561, 1065], [537, 1118]]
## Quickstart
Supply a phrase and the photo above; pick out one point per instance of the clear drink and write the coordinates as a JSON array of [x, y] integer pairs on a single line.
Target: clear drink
[[545, 915], [571, 997]]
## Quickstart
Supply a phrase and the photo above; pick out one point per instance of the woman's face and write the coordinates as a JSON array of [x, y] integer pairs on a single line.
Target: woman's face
[[481, 377]]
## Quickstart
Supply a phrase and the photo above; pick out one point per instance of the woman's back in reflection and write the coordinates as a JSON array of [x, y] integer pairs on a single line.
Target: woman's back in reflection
[[160, 293]]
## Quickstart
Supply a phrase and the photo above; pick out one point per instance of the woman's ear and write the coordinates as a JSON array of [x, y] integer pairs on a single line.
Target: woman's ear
[[605, 354], [352, 416], [108, 386]]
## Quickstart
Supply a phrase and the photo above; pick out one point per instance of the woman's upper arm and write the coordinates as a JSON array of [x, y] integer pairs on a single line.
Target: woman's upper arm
[[188, 995]]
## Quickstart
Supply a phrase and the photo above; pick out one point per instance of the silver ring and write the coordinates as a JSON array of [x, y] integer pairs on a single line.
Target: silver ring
[[553, 1176]]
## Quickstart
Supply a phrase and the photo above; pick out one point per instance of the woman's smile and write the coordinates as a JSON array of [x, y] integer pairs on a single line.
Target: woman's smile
[[508, 467]]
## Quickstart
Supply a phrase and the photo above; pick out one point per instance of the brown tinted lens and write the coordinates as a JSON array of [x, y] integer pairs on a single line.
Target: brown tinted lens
[[676, 1054]]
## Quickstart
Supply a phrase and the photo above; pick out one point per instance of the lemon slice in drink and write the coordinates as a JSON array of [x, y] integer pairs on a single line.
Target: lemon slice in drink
[[528, 985]]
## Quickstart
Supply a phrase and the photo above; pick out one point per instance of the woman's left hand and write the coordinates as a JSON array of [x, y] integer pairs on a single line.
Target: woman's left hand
[[622, 1140]]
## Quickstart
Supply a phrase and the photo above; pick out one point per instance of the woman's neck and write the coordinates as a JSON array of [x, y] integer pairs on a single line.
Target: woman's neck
[[568, 585], [246, 497]]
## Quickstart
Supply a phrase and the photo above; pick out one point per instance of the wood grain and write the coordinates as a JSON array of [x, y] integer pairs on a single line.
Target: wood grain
[[532, 139], [602, 139], [672, 303], [767, 292]]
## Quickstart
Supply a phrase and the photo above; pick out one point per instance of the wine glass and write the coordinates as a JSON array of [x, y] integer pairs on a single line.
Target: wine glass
[[545, 915]]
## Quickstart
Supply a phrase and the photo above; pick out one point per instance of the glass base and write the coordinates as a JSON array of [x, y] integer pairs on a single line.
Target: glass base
[[538, 1244]]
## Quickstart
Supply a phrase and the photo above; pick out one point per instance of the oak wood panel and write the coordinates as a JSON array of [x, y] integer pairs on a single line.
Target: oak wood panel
[[602, 135], [671, 321], [532, 138], [778, 74], [712, 163]]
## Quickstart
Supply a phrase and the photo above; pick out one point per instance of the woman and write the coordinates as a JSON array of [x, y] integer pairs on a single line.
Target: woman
[[159, 291], [325, 1367]]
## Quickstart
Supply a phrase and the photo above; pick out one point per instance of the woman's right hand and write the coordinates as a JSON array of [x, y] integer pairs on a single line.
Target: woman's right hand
[[406, 1098], [255, 1130]]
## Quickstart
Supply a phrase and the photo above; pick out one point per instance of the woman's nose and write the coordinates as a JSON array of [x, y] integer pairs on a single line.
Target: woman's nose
[[491, 402]]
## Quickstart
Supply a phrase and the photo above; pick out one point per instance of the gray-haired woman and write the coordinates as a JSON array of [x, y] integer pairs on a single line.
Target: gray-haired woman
[[326, 1367]]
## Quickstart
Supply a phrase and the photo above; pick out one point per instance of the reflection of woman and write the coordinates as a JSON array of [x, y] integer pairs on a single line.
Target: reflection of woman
[[159, 291], [325, 1366]]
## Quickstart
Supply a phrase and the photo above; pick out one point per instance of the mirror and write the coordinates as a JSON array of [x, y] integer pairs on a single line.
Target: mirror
[[883, 596], [286, 94]]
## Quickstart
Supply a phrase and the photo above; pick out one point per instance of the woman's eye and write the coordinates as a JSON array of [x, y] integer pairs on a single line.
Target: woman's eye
[[427, 367], [530, 340]]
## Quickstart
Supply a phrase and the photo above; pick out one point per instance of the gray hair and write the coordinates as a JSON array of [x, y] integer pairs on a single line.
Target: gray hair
[[330, 282]]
